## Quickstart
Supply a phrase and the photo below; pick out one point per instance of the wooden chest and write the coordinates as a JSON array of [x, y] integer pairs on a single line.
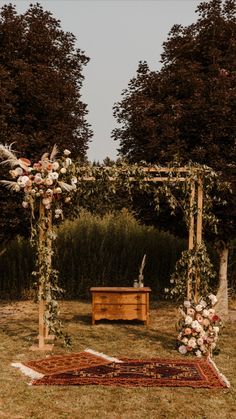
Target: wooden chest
[[120, 303]]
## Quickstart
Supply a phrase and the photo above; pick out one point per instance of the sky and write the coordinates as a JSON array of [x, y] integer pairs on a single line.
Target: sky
[[115, 35]]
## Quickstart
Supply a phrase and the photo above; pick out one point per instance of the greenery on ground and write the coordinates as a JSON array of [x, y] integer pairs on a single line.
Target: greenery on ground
[[18, 330]]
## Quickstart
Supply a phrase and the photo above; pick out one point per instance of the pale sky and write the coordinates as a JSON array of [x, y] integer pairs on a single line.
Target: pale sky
[[115, 35]]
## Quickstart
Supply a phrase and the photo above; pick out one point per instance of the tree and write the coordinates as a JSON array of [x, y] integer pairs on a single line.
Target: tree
[[187, 110], [40, 78]]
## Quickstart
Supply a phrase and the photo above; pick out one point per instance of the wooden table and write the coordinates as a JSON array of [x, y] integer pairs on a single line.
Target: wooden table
[[120, 303]]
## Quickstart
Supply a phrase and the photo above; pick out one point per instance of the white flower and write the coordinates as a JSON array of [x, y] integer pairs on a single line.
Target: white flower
[[63, 170], [192, 343], [183, 349], [38, 178], [198, 353], [216, 329], [203, 303], [19, 171], [67, 199], [53, 175], [66, 152], [57, 190], [55, 165], [25, 204], [187, 304], [68, 162], [205, 313], [58, 211], [188, 319], [200, 341], [16, 172], [74, 179], [48, 181], [199, 307], [49, 192], [22, 181], [213, 299], [166, 289], [185, 341], [195, 325]]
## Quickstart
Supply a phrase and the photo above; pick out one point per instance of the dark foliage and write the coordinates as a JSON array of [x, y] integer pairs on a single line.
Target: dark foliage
[[187, 110], [40, 105]]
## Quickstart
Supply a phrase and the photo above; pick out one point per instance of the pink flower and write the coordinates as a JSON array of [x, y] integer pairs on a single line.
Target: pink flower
[[187, 331], [183, 349], [199, 318], [49, 166]]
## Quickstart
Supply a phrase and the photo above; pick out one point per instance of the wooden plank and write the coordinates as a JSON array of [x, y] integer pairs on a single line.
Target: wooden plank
[[199, 211], [190, 236], [120, 289], [199, 233]]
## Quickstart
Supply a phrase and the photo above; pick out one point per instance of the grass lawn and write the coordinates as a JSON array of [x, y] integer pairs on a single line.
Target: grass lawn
[[18, 330]]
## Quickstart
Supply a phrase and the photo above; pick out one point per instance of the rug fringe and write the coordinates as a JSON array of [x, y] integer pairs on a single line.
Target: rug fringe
[[102, 355], [27, 371], [221, 376]]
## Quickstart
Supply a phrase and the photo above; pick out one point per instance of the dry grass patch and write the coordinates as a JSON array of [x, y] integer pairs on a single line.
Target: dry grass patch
[[18, 330]]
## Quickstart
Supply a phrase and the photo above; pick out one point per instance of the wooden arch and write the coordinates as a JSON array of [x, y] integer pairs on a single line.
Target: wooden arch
[[163, 174]]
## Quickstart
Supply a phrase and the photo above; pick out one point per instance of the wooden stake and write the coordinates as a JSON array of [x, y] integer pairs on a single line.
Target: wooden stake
[[199, 232], [190, 237]]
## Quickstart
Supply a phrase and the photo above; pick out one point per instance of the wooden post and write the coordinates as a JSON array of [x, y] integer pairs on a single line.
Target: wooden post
[[42, 242], [198, 232], [190, 237]]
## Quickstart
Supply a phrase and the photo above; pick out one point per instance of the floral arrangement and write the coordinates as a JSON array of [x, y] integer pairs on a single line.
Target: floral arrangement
[[48, 179], [48, 183], [199, 327]]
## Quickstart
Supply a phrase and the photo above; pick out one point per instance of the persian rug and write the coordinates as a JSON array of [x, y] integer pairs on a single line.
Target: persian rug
[[64, 363], [95, 368]]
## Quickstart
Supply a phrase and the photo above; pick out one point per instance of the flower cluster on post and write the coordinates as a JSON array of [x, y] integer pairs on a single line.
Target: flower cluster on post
[[49, 179], [46, 184], [199, 327]]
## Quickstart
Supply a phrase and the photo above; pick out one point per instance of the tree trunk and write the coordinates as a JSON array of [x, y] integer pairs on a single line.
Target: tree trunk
[[222, 294]]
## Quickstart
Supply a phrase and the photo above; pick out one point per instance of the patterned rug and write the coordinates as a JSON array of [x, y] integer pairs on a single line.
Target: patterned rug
[[141, 373], [64, 363], [93, 368]]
